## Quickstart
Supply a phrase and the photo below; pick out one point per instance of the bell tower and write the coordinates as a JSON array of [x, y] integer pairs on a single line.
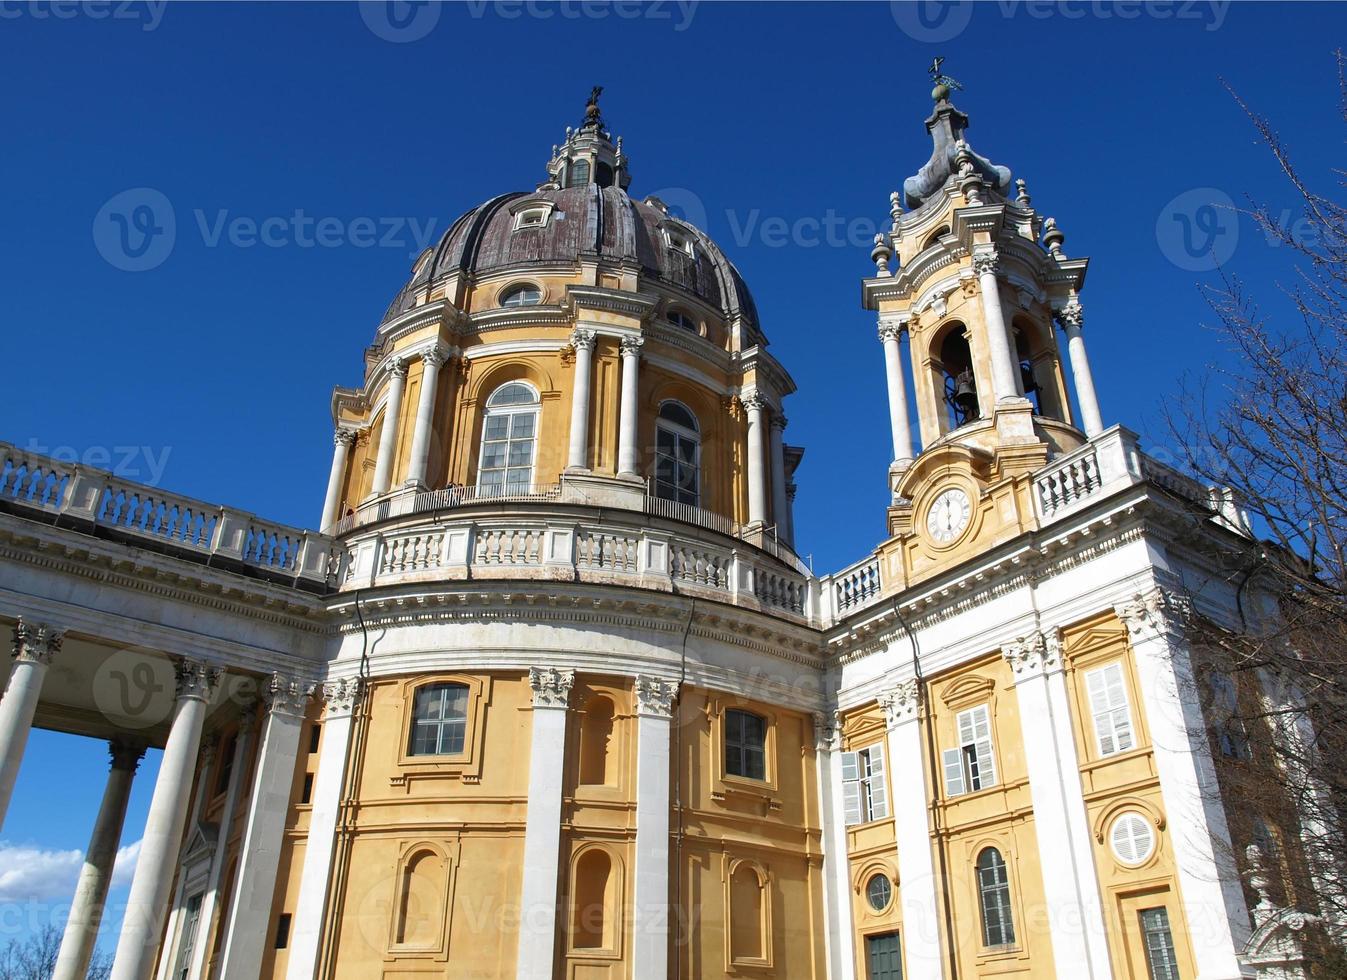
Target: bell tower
[[973, 278]]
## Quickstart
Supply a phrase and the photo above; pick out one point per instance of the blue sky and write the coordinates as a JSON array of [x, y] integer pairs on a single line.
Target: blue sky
[[786, 126]]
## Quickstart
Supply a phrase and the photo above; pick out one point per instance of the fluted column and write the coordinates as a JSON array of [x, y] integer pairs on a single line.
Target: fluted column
[[780, 505], [388, 437], [160, 845], [342, 441], [838, 931], [1209, 882], [1071, 318], [628, 453], [582, 343], [86, 909], [431, 361], [756, 405], [310, 908], [542, 827], [1061, 825], [890, 335], [986, 263], [655, 698], [916, 868], [287, 701], [34, 647]]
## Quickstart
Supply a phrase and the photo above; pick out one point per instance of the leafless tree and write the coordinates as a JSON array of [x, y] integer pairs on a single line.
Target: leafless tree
[[34, 957]]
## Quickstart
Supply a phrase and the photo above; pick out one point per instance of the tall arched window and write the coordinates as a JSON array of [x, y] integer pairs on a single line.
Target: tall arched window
[[420, 901], [509, 438], [956, 368], [593, 906], [678, 448], [998, 926], [578, 175], [439, 720], [596, 738]]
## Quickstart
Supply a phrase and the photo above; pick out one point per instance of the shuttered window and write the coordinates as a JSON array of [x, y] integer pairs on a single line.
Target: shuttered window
[[1108, 704], [970, 767], [864, 785]]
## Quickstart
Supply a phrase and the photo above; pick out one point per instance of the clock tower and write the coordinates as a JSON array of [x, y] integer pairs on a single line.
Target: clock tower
[[968, 284]]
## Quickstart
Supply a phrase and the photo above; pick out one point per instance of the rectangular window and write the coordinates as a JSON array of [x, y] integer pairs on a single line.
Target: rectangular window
[[315, 733], [745, 745], [191, 925], [306, 794], [864, 793], [440, 722], [1160, 959], [884, 957], [1108, 704], [283, 930], [226, 764], [970, 768], [1230, 735]]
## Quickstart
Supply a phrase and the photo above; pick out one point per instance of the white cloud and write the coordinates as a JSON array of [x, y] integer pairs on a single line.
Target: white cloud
[[33, 874]]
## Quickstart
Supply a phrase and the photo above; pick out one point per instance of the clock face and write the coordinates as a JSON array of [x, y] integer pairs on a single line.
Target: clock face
[[948, 515]]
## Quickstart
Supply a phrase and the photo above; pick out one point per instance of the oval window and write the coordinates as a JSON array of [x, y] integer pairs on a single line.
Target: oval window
[[1132, 839], [526, 295], [879, 892]]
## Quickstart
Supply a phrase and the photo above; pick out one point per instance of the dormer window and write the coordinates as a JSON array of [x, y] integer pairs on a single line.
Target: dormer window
[[530, 218], [679, 319], [526, 294], [678, 242]]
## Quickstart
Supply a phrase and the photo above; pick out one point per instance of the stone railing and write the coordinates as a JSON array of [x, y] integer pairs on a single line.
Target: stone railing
[[83, 497], [853, 588], [1107, 463]]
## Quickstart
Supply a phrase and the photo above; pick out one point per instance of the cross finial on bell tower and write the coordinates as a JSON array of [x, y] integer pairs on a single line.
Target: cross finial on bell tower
[[943, 83]]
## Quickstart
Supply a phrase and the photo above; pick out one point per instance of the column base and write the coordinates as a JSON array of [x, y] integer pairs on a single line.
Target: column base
[[586, 487]]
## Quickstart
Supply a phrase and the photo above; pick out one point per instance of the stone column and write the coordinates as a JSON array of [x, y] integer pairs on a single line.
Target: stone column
[[342, 440], [431, 361], [916, 869], [1061, 825], [34, 647], [86, 909], [756, 405], [1071, 318], [162, 841], [582, 342], [628, 453], [306, 931], [890, 335], [780, 512], [255, 885], [542, 829], [986, 263], [1212, 896], [838, 930], [655, 699], [388, 436]]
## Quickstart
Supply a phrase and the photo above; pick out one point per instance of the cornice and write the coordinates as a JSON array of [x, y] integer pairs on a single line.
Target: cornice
[[519, 316], [619, 301]]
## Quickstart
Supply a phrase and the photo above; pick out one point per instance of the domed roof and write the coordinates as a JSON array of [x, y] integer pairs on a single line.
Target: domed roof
[[586, 221]]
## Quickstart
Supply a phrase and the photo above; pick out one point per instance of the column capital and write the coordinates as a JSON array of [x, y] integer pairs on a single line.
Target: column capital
[[901, 703], [655, 696], [1033, 655], [397, 367], [1071, 316], [434, 356], [343, 437], [125, 756], [551, 686], [753, 401], [36, 643], [779, 421], [286, 695], [891, 330], [631, 346], [583, 339], [1157, 614], [341, 696], [196, 680], [986, 261], [827, 731]]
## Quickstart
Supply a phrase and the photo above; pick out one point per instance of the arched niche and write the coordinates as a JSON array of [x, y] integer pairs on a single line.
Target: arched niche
[[598, 746], [749, 906], [596, 898], [420, 900]]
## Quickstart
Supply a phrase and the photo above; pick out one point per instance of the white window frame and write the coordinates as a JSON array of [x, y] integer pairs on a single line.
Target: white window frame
[[533, 216], [681, 434], [680, 242], [1110, 709], [971, 767], [534, 408], [865, 796]]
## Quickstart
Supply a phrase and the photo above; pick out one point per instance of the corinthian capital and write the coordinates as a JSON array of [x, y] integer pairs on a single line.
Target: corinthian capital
[[1033, 654], [195, 679], [753, 401], [631, 346], [36, 643], [286, 695], [551, 686], [890, 330], [986, 262], [827, 731], [655, 696], [341, 696], [1157, 613], [397, 367], [583, 339], [1071, 316], [900, 703], [434, 356], [343, 437]]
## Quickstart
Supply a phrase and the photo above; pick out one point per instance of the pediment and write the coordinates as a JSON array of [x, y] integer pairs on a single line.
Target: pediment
[[940, 462]]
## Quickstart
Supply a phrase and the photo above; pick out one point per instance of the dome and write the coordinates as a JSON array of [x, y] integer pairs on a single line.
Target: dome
[[588, 221]]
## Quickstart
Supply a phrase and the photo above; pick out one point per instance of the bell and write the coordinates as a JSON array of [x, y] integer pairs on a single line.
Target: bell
[[966, 395], [1027, 378]]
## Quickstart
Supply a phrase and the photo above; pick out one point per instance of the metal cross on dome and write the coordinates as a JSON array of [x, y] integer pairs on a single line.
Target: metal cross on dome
[[939, 77]]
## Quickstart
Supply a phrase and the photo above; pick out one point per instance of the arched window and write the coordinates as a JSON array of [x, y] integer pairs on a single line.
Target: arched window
[[522, 295], [603, 175], [596, 738], [678, 447], [747, 934], [745, 744], [679, 319], [593, 909], [439, 720], [419, 901], [998, 927], [578, 175], [509, 439], [956, 364]]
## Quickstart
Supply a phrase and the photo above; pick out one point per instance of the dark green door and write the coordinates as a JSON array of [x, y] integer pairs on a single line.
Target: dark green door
[[884, 956]]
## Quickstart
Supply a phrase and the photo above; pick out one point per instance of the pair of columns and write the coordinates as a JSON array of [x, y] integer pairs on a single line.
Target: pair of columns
[[628, 452], [767, 450], [539, 915]]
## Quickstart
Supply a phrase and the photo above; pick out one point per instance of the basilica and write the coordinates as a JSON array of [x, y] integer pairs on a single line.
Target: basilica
[[547, 693]]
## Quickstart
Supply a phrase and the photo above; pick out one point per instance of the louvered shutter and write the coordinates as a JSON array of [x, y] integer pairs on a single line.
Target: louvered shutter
[[851, 789], [879, 795], [982, 745], [1108, 705], [953, 765], [1131, 838]]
